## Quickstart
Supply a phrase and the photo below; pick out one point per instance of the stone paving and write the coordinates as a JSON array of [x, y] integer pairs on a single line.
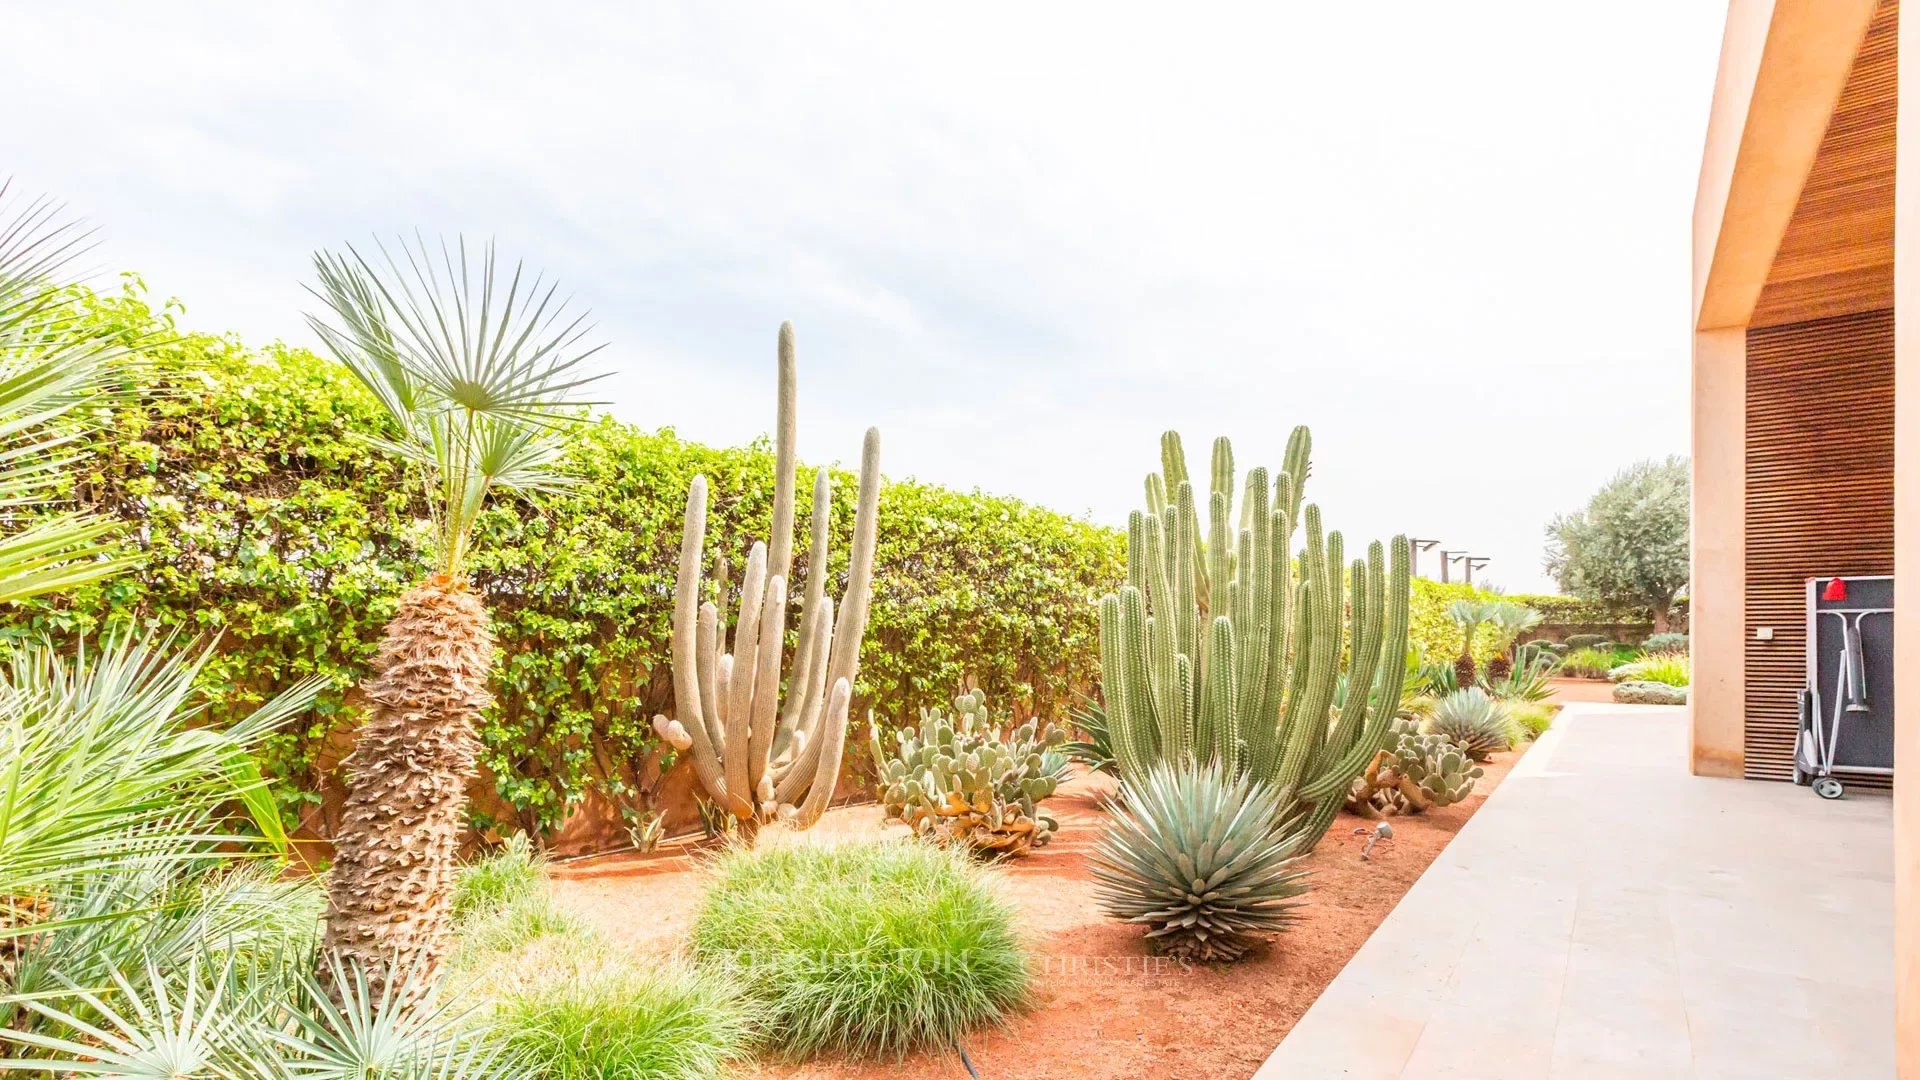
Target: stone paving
[[1606, 914]]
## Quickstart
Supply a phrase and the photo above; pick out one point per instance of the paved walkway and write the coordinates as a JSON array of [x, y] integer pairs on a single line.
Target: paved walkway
[[1606, 914]]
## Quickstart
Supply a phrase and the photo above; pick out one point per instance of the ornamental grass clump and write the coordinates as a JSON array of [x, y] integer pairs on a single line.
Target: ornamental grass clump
[[866, 949], [1671, 668], [1198, 856], [619, 1021]]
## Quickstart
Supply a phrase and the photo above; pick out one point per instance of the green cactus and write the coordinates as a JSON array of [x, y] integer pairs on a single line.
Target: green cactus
[[1474, 722], [968, 780], [1222, 648], [757, 758], [1413, 773]]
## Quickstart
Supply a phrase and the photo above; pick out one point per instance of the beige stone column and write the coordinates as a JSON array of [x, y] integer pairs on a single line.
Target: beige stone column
[[1906, 568], [1717, 589]]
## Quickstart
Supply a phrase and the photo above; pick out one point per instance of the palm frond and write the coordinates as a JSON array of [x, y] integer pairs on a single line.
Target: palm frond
[[477, 368], [100, 769], [51, 363]]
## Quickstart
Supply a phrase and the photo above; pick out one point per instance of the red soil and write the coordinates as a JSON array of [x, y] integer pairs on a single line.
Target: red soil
[[1105, 1006]]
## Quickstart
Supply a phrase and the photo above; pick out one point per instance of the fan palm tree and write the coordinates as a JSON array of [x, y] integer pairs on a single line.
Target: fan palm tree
[[52, 363], [1469, 614], [1509, 620], [477, 370]]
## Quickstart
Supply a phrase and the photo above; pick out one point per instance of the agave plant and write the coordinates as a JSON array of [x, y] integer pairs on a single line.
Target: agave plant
[[1095, 748], [1198, 857], [1509, 620], [477, 371], [1469, 614], [1473, 721]]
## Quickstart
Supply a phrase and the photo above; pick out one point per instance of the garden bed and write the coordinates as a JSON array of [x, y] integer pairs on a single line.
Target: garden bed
[[1105, 1006]]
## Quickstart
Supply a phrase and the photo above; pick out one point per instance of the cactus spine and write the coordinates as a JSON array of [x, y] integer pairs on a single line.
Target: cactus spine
[[1219, 649], [757, 758]]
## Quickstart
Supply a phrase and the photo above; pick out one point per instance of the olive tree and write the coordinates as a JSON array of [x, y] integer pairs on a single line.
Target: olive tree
[[1628, 546]]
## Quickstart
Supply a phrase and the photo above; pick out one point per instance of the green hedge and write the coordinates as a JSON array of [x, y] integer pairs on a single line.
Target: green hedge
[[267, 519], [1438, 637]]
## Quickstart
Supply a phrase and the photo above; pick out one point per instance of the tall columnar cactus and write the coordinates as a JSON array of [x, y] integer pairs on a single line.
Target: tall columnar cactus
[[760, 758], [1221, 648]]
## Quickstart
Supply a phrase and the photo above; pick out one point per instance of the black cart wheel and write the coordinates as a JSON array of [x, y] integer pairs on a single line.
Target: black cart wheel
[[1829, 788]]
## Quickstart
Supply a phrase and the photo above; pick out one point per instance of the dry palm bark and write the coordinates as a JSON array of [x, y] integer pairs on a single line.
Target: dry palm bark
[[391, 888]]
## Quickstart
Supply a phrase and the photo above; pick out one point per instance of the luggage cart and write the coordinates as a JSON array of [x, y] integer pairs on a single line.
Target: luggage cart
[[1846, 708]]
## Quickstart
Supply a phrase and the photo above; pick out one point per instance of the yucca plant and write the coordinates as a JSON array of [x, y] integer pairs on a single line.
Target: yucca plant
[[1527, 679], [1469, 614], [1474, 721], [1198, 856], [476, 369], [1509, 620]]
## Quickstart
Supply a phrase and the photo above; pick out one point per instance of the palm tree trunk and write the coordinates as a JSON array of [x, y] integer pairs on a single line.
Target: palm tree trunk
[[390, 891]]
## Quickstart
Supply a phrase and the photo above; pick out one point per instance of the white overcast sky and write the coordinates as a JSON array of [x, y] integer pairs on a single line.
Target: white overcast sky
[[1021, 239]]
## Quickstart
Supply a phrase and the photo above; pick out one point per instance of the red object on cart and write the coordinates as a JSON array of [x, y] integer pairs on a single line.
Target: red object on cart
[[1836, 590]]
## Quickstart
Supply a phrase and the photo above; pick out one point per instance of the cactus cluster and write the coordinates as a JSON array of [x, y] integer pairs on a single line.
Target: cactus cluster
[[966, 780], [1415, 772], [1473, 721], [1221, 648], [759, 757], [1199, 856]]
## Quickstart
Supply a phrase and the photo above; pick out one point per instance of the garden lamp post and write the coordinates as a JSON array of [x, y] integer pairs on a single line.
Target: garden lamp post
[[1448, 558], [1472, 563], [1415, 546]]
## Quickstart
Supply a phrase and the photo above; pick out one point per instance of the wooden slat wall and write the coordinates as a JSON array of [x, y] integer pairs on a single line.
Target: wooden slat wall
[[1819, 497], [1837, 255]]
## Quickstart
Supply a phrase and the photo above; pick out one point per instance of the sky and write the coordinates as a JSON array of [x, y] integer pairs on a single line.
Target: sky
[[1022, 240]]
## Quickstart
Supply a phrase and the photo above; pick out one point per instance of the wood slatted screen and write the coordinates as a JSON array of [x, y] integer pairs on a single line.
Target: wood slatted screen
[[1819, 497]]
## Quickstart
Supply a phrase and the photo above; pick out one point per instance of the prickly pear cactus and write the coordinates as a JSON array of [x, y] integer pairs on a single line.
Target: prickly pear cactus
[[1415, 772], [967, 780]]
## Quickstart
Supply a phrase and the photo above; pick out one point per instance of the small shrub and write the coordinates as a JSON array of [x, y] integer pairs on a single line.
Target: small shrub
[[1673, 669], [523, 919], [1531, 717], [1474, 722], [496, 881], [1669, 642], [1576, 642], [621, 1022], [1589, 663], [1649, 693], [862, 948], [1200, 858]]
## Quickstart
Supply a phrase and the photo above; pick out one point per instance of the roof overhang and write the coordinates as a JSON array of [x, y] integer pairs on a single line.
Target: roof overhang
[[1783, 66]]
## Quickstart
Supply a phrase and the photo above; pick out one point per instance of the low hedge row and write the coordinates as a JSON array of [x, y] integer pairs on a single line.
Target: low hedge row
[[266, 518]]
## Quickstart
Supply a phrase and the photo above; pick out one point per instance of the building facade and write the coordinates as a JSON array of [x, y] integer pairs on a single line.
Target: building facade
[[1806, 389]]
